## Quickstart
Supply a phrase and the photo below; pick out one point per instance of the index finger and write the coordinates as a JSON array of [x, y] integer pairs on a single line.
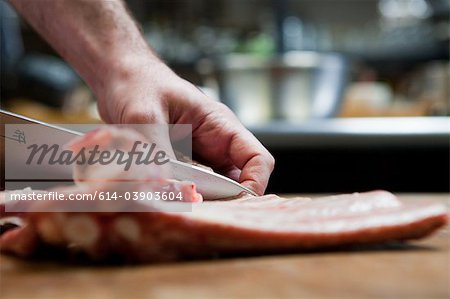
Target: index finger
[[255, 162]]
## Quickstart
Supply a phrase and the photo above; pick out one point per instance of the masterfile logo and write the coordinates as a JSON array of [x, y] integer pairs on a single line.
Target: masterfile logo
[[55, 155]]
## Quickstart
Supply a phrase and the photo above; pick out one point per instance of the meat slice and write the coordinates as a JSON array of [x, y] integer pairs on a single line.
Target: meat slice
[[113, 176], [250, 225], [117, 142]]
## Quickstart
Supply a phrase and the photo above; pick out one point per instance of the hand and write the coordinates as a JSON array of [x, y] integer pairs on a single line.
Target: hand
[[152, 93], [133, 86]]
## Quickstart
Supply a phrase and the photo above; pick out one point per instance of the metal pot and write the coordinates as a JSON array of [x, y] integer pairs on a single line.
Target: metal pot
[[295, 86]]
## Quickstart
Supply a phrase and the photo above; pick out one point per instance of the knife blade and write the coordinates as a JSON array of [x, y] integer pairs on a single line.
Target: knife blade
[[211, 185]]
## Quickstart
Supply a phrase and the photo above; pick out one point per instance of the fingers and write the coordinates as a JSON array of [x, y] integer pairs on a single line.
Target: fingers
[[219, 139], [233, 173], [159, 135], [255, 162], [237, 152], [154, 128]]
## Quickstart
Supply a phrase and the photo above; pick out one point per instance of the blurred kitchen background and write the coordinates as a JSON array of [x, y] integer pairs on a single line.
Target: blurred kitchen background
[[348, 95]]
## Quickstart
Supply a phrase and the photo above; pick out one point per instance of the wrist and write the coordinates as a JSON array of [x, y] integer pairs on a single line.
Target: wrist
[[131, 89], [118, 69]]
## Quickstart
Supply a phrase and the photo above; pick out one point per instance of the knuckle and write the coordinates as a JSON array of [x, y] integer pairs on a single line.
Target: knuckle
[[270, 161], [223, 108]]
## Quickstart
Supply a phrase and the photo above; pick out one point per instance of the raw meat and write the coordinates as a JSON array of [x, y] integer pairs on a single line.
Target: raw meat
[[113, 177], [160, 232], [266, 224]]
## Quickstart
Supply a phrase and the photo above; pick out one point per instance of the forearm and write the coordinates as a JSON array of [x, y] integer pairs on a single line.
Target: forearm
[[97, 37]]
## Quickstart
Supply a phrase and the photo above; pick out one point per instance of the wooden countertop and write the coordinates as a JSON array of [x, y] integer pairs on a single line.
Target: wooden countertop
[[418, 270]]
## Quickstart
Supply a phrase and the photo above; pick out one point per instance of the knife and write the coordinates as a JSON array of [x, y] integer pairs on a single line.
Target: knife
[[211, 185]]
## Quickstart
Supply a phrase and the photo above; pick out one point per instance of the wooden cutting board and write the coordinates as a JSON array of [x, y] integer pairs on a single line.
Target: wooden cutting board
[[418, 270]]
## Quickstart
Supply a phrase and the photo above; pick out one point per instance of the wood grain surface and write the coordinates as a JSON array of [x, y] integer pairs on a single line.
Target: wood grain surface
[[420, 269]]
